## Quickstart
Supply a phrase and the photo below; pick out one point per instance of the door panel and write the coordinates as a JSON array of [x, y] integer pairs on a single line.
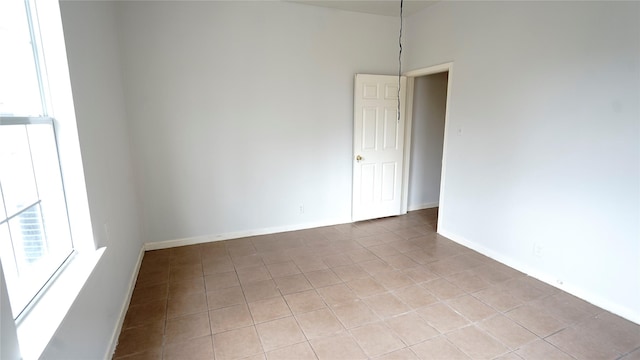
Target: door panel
[[378, 144]]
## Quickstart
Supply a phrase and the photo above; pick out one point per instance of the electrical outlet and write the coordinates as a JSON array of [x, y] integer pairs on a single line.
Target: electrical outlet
[[538, 250], [301, 209]]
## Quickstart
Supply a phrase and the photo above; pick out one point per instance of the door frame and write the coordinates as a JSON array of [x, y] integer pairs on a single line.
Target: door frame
[[411, 75]]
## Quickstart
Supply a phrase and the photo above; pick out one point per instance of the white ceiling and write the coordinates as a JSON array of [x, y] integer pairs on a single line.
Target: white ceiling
[[378, 7]]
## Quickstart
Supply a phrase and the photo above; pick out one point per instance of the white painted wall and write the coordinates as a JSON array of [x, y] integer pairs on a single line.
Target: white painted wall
[[93, 55], [243, 111], [547, 95], [427, 135]]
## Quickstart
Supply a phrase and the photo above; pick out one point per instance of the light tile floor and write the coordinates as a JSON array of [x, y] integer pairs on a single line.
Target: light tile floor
[[384, 289]]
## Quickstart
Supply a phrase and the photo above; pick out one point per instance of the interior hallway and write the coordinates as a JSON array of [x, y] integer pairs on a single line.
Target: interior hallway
[[388, 288]]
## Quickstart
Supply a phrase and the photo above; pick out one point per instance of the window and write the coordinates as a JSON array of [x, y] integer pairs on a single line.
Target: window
[[35, 237]]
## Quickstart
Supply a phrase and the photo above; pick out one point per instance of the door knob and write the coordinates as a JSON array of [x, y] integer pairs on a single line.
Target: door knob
[[358, 158]]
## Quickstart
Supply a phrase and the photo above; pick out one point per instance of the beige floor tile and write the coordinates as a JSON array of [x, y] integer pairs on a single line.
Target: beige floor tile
[[376, 339], [319, 323], [322, 278], [540, 349], [140, 339], [386, 305], [341, 346], [251, 260], [280, 333], [221, 280], [402, 354], [186, 286], [253, 274], [393, 279], [337, 260], [225, 297], [415, 287], [237, 344], [420, 274], [443, 289], [260, 290], [401, 262], [366, 287], [476, 343], [309, 264], [376, 266], [468, 281], [337, 294], [150, 293], [354, 314], [228, 318], [269, 309], [187, 327], [535, 321], [360, 255], [283, 269], [415, 296], [621, 334], [152, 354], [497, 298], [507, 331], [634, 355], [180, 305], [411, 328], [177, 273], [146, 313], [442, 317], [304, 301], [301, 351], [293, 284], [217, 265], [578, 343], [197, 349], [438, 349], [471, 308], [350, 272]]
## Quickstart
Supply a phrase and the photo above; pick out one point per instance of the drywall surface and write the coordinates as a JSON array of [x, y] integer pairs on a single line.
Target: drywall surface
[[9, 346], [242, 112], [91, 41], [545, 175], [427, 135]]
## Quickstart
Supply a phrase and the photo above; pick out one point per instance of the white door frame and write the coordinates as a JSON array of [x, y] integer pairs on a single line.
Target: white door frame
[[411, 75]]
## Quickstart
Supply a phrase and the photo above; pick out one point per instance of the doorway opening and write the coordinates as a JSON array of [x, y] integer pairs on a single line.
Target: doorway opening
[[425, 147]]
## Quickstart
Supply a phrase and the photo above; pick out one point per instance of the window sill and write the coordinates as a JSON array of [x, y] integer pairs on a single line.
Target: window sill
[[37, 328]]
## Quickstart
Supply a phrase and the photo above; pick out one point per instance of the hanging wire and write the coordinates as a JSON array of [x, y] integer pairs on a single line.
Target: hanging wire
[[400, 58]]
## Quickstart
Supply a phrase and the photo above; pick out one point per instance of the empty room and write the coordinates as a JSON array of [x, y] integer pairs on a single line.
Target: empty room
[[319, 179]]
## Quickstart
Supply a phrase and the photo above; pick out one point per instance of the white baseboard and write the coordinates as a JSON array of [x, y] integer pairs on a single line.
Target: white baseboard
[[239, 234], [423, 206], [125, 307], [586, 295]]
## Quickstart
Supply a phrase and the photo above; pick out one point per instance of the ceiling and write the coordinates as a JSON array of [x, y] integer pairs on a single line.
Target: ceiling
[[378, 7]]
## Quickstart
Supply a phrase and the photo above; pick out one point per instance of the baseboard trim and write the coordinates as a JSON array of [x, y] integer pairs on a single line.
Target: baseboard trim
[[423, 206], [239, 234], [125, 306], [547, 278]]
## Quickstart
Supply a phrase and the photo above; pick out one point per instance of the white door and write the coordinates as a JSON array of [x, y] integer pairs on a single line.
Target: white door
[[378, 144]]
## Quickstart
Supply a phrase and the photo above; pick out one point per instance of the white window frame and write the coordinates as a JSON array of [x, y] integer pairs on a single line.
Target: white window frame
[[37, 327]]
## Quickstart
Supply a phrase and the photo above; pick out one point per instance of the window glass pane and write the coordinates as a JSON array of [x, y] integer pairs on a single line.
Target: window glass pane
[[44, 155], [34, 238], [16, 172], [19, 87]]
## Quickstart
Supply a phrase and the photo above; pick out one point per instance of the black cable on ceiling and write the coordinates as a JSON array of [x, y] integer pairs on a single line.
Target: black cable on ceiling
[[400, 57]]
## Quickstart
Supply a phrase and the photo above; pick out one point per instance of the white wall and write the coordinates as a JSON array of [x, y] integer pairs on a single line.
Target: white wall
[[547, 95], [242, 111], [90, 35], [427, 135]]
